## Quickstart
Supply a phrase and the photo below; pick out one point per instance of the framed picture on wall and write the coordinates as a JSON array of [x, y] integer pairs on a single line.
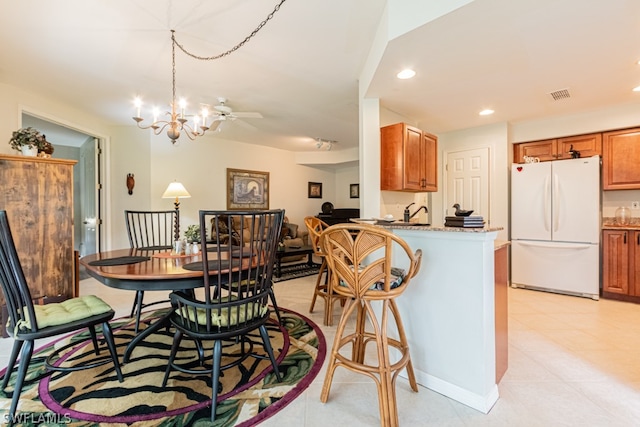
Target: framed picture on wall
[[247, 190], [315, 190], [354, 191]]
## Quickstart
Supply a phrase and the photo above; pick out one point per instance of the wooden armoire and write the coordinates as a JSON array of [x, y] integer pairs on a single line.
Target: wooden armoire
[[37, 194]]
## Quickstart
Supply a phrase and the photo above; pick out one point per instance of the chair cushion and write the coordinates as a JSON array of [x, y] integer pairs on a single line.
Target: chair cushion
[[67, 311], [238, 314], [396, 279]]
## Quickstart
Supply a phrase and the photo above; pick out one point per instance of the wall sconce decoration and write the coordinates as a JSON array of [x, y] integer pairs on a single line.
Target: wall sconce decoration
[[130, 183]]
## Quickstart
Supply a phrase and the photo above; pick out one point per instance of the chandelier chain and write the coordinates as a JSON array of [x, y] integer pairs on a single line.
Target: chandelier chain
[[233, 49], [173, 67]]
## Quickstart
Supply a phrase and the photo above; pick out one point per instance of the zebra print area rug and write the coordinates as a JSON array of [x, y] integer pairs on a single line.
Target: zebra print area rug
[[248, 393]]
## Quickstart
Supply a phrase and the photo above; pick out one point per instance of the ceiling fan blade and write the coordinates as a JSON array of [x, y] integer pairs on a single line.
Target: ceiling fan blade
[[246, 125], [248, 115], [214, 125]]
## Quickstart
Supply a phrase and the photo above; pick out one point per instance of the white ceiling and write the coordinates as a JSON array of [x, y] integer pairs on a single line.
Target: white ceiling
[[300, 71]]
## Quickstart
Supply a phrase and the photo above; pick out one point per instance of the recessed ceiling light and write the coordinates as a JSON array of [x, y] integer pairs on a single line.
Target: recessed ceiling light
[[486, 112], [636, 89], [406, 74]]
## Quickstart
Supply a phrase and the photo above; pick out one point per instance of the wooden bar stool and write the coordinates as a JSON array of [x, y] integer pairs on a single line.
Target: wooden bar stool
[[359, 258], [316, 226]]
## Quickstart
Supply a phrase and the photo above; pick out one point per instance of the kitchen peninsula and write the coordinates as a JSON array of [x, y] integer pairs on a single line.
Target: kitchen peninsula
[[449, 312]]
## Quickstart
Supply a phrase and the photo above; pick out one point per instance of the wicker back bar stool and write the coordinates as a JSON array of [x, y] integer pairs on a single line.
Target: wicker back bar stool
[[322, 289], [359, 258]]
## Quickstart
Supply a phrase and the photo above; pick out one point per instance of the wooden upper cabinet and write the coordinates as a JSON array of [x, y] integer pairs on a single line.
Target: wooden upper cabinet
[[413, 166], [431, 156], [544, 150], [559, 148], [620, 159], [408, 159], [587, 145]]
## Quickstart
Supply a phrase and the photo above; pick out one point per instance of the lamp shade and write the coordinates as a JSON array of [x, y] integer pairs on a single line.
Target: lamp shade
[[177, 190]]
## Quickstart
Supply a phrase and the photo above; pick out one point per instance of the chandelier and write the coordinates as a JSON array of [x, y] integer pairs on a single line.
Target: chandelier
[[177, 122]]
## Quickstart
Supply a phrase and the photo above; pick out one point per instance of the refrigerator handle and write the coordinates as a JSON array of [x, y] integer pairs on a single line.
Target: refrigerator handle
[[555, 204], [545, 206]]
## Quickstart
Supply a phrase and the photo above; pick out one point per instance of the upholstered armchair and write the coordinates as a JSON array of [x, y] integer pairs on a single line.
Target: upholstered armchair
[[293, 234]]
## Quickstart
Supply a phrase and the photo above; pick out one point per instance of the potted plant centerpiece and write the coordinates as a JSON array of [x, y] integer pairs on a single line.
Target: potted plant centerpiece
[[192, 234], [27, 140]]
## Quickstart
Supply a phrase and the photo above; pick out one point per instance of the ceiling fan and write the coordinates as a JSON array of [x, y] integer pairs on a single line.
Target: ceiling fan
[[223, 112]]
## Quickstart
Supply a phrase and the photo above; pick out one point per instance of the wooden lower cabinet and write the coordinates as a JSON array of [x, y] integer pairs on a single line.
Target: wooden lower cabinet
[[621, 264]]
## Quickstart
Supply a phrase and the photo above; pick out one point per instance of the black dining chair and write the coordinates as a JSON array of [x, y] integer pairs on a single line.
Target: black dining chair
[[29, 322], [149, 230], [237, 290]]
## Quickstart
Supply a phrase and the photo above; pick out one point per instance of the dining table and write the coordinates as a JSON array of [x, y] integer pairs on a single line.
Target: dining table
[[136, 269]]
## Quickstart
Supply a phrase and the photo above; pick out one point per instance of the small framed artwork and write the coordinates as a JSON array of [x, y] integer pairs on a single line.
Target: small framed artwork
[[354, 191], [315, 190], [247, 190]]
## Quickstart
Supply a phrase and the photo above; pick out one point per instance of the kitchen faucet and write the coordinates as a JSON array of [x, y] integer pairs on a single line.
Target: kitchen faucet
[[408, 216]]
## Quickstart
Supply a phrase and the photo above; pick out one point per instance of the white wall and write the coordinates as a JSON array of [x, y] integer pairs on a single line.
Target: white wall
[[345, 176], [128, 151]]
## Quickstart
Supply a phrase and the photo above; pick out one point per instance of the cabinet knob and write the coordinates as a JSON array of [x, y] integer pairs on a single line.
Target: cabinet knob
[[625, 238]]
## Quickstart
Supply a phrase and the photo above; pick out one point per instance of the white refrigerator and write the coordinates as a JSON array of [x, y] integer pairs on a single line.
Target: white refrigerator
[[555, 226]]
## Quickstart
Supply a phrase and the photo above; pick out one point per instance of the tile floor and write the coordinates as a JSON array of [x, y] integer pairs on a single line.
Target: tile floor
[[572, 362]]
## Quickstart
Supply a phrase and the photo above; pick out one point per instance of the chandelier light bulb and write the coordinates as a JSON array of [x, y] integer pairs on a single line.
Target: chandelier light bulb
[[205, 114], [138, 104]]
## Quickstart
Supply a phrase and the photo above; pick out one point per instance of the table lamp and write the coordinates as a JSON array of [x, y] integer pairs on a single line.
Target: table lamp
[[177, 190]]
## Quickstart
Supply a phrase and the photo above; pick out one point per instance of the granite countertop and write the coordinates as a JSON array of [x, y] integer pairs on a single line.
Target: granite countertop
[[611, 223], [442, 228]]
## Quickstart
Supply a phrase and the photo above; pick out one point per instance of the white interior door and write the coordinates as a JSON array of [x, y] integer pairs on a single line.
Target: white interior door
[[468, 181]]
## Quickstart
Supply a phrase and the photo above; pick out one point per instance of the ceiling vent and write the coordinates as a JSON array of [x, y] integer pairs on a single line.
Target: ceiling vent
[[558, 95]]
